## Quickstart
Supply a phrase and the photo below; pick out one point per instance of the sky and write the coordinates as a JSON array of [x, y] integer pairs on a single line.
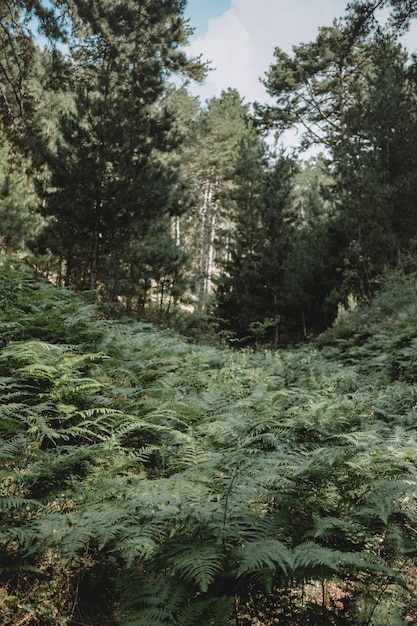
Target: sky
[[239, 37]]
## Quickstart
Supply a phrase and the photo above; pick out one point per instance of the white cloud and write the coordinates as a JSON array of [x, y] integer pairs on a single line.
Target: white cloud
[[227, 46], [241, 42]]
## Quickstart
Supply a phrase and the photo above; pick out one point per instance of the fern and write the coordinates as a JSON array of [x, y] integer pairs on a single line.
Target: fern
[[166, 601], [265, 553], [198, 564], [202, 478]]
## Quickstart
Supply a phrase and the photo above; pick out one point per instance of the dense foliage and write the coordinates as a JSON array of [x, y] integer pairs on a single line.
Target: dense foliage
[[148, 481], [145, 480]]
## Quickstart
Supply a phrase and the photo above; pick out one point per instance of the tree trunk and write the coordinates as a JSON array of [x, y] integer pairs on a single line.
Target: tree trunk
[[208, 231]]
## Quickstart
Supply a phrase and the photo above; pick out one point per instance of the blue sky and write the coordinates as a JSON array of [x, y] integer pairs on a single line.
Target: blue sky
[[200, 11], [238, 37]]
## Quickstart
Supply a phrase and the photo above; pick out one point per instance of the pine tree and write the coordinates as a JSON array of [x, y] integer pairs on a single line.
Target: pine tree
[[19, 220], [310, 267], [110, 179], [356, 98], [251, 288], [207, 159]]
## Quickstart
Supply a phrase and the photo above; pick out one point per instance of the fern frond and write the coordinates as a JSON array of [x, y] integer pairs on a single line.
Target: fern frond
[[11, 449], [216, 610], [261, 554], [325, 527], [165, 600], [198, 564], [21, 539], [16, 504], [137, 546], [311, 559], [158, 598]]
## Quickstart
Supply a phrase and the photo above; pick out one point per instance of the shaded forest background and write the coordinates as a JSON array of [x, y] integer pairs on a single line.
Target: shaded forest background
[[113, 178]]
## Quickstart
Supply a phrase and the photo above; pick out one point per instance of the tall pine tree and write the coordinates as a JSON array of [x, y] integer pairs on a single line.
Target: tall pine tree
[[110, 180], [250, 296]]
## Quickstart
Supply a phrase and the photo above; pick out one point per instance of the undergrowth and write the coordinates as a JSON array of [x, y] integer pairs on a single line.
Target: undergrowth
[[146, 481]]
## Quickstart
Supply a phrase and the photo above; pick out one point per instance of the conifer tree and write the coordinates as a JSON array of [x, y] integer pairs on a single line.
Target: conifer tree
[[208, 156], [19, 219], [250, 289], [356, 98], [110, 182]]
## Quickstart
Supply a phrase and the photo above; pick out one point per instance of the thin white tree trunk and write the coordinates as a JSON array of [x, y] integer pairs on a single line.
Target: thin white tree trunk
[[177, 231], [210, 254], [206, 221]]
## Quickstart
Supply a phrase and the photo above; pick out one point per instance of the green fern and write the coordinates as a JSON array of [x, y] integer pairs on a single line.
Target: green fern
[[166, 601], [203, 480], [265, 553], [198, 564]]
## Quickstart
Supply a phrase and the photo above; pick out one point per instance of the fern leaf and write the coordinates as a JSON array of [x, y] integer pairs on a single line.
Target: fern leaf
[[264, 553], [17, 504], [137, 546], [309, 557], [198, 564], [205, 611]]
